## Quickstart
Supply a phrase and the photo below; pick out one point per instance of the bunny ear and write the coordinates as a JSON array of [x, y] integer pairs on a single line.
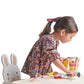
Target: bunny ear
[[13, 59], [4, 60]]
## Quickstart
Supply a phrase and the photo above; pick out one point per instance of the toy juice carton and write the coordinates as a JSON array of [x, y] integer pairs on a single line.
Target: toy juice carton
[[74, 63]]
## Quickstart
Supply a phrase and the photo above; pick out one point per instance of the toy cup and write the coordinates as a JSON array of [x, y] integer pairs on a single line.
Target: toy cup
[[66, 63]]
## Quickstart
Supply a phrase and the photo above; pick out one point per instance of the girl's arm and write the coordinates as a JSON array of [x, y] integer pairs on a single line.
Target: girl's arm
[[60, 65]]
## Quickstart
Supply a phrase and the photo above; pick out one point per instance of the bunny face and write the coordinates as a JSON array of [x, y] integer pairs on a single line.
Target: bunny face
[[7, 74], [11, 71]]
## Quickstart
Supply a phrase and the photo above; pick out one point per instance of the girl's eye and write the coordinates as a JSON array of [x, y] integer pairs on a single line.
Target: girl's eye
[[16, 72], [7, 74]]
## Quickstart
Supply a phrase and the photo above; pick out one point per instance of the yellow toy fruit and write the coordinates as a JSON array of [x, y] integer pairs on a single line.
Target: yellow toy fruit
[[66, 63], [49, 74]]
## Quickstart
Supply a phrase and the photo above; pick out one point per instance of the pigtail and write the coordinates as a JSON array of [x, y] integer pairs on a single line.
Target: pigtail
[[47, 29]]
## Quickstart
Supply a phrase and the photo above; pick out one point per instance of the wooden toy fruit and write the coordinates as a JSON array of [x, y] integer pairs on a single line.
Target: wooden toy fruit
[[49, 74], [54, 73]]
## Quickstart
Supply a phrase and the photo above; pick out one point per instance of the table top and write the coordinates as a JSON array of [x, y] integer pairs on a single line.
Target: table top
[[49, 81]]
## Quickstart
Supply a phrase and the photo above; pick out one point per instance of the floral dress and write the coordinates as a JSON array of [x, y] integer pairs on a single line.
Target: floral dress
[[39, 60]]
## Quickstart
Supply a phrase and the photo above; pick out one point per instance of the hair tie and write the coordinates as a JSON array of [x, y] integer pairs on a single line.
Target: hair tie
[[53, 19]]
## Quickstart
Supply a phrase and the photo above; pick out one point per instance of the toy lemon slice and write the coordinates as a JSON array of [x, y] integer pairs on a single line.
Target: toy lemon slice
[[49, 74]]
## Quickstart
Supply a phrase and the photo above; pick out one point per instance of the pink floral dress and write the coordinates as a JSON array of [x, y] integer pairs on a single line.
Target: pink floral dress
[[39, 60]]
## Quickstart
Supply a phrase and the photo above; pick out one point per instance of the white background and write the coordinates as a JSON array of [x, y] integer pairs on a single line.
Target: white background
[[21, 21]]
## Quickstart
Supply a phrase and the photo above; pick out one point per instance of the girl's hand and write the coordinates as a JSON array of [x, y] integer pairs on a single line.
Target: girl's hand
[[72, 73], [66, 59]]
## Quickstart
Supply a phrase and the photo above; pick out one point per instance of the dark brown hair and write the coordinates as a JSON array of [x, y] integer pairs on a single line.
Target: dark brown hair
[[66, 22]]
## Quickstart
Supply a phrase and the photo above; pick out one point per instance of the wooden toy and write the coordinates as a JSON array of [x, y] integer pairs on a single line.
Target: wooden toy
[[66, 63], [49, 74], [74, 63]]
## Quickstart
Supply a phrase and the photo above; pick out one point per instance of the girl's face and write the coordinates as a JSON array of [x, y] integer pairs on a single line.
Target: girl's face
[[66, 37]]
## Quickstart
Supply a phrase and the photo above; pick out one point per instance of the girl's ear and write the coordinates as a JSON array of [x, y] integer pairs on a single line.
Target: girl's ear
[[62, 32], [4, 60], [13, 59]]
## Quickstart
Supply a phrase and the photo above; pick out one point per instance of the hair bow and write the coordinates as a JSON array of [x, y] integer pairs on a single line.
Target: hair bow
[[53, 19]]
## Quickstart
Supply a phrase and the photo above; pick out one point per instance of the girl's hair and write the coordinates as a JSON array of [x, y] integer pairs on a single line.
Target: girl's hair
[[66, 22]]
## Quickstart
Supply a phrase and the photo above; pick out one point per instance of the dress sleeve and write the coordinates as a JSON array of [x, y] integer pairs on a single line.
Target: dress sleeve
[[49, 49]]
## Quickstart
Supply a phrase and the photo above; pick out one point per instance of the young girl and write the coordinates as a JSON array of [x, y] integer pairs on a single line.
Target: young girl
[[44, 51]]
